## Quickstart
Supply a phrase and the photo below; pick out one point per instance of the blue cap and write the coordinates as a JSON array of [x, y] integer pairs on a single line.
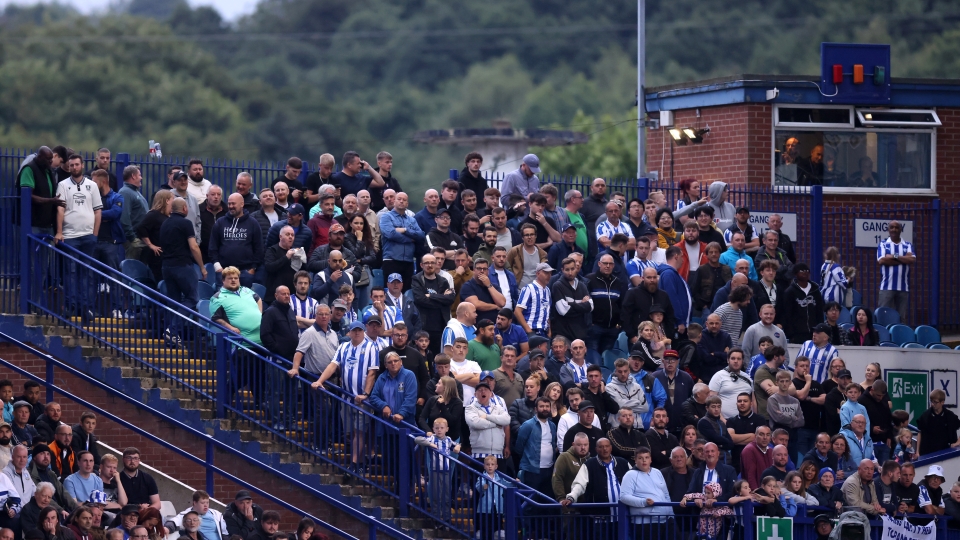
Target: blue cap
[[486, 374], [532, 161], [97, 497], [355, 325], [295, 209], [394, 277]]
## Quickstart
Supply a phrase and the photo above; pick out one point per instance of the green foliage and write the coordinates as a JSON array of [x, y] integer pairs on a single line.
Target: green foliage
[[612, 149]]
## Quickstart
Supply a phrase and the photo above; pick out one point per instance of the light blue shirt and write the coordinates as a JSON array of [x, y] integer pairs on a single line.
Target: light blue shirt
[[208, 526], [79, 488], [636, 487]]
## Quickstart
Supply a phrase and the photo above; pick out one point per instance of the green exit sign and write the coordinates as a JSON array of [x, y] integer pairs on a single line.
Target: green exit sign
[[770, 528], [909, 390]]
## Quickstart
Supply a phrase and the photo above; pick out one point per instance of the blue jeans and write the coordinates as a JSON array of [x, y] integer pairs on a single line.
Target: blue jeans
[[181, 283], [45, 263], [111, 254], [80, 290], [599, 340]]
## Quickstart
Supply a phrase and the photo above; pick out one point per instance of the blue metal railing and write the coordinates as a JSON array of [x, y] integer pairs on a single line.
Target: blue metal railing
[[211, 443]]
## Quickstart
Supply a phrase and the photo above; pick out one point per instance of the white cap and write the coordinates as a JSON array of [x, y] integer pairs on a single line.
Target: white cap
[[936, 470]]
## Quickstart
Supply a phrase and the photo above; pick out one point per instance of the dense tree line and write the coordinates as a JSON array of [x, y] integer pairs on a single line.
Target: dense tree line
[[298, 77]]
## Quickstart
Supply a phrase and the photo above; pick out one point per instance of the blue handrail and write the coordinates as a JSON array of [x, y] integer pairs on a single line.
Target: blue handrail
[[371, 522]]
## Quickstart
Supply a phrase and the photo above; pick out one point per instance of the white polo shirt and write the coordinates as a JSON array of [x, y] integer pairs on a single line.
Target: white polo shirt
[[83, 200]]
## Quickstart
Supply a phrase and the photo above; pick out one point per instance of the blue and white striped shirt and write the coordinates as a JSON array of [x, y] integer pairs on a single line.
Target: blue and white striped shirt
[[381, 343], [833, 282], [391, 316], [613, 485], [635, 267], [440, 458], [896, 277], [449, 335], [304, 308], [819, 359], [923, 500], [605, 229], [355, 363], [535, 301]]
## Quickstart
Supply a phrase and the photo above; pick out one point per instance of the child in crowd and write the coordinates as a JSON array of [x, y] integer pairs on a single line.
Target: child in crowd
[[772, 501], [6, 397], [490, 498], [743, 494], [692, 357], [765, 343], [441, 470], [421, 341], [905, 450], [660, 341], [347, 295], [852, 407]]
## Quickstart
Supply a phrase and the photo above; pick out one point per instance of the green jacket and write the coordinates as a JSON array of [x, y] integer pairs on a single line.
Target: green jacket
[[61, 499], [565, 471]]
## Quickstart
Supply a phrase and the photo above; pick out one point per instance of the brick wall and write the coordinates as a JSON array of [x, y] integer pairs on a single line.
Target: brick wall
[[167, 461], [735, 150]]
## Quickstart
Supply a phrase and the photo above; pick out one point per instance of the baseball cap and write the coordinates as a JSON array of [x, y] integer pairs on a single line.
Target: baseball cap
[[743, 209], [179, 174], [584, 405], [486, 374], [394, 277], [656, 308], [537, 341], [130, 509], [340, 304], [822, 518], [935, 470], [372, 319], [442, 210], [336, 227], [544, 267], [243, 495], [295, 210], [97, 497], [822, 327], [21, 403], [483, 323], [532, 161], [567, 227], [844, 373], [535, 354], [636, 352], [355, 325], [670, 353]]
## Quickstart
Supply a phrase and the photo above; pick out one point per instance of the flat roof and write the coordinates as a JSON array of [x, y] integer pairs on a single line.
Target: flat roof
[[794, 89]]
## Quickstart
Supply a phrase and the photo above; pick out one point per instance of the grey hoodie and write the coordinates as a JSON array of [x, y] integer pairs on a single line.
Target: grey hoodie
[[723, 213]]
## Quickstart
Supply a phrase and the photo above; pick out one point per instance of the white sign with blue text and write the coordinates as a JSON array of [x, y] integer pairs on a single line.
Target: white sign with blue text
[[759, 221], [946, 380], [870, 232]]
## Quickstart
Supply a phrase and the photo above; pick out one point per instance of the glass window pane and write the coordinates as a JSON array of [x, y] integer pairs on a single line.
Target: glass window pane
[[813, 116], [852, 159]]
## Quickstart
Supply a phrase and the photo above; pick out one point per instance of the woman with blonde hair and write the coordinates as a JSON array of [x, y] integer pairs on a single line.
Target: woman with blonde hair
[[149, 232], [444, 404]]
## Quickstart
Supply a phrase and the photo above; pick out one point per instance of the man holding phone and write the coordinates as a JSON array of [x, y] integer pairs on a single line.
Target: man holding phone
[[349, 178]]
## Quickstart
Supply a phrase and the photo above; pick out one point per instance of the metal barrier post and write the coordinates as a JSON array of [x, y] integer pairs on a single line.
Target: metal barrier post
[[816, 228], [25, 229], [643, 188], [454, 174], [123, 159], [209, 462], [623, 514], [222, 354], [748, 512], [403, 474], [510, 504], [50, 380], [934, 316]]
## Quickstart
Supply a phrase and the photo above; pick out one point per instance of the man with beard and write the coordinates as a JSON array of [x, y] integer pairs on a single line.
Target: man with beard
[[572, 303], [639, 300], [693, 252], [537, 452], [399, 234], [592, 208], [626, 439], [77, 225], [199, 187], [483, 349], [598, 481], [484, 294], [42, 471], [660, 440], [487, 247], [512, 334], [37, 175], [471, 234], [470, 177]]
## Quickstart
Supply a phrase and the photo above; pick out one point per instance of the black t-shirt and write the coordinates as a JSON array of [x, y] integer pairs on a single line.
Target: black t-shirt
[[909, 494], [313, 186], [938, 431], [140, 488], [831, 411], [350, 185], [774, 472], [294, 184], [742, 425], [812, 413], [111, 490], [174, 241], [829, 385], [542, 235]]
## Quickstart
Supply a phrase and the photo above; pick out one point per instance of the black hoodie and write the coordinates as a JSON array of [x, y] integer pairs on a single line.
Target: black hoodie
[[236, 242], [798, 312]]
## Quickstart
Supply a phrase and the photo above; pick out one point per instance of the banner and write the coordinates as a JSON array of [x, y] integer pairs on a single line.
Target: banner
[[904, 530]]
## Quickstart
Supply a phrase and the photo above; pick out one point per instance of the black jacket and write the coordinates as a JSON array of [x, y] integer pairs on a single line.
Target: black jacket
[[603, 404], [625, 442], [279, 271], [46, 427], [317, 262], [412, 360], [238, 524], [41, 215], [264, 221], [207, 218], [575, 319], [80, 443], [452, 412], [638, 301], [376, 193], [798, 312], [607, 293], [278, 330], [596, 491], [661, 446], [521, 410], [477, 184], [435, 310], [693, 411]]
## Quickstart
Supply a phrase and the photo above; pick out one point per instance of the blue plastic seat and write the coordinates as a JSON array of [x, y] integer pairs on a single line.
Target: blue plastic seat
[[901, 333], [137, 271], [610, 357], [912, 346], [162, 287], [260, 290], [844, 316], [886, 316], [203, 307], [883, 332], [377, 278], [927, 335], [857, 298], [888, 344], [957, 348], [846, 326], [211, 274], [623, 343], [698, 320], [205, 290], [938, 346]]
